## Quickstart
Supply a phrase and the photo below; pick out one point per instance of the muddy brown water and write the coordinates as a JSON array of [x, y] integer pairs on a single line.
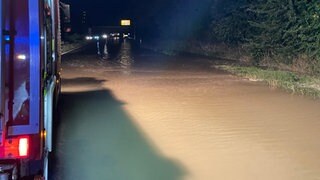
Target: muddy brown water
[[160, 117]]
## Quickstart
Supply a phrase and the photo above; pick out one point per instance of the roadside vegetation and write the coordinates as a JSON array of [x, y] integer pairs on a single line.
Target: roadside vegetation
[[289, 81], [278, 34], [274, 41]]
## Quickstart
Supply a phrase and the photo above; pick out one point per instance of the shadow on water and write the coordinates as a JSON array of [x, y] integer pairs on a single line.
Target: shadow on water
[[96, 139]]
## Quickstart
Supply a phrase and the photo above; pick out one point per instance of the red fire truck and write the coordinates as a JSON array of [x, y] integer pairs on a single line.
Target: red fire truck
[[29, 85]]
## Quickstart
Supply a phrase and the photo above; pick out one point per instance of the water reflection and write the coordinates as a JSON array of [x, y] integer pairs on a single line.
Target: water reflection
[[125, 56], [215, 125], [118, 51]]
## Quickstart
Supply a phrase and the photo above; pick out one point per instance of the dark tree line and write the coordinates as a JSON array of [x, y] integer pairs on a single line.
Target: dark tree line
[[285, 30]]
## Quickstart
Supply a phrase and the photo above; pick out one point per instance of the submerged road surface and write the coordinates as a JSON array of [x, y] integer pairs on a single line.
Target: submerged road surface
[[138, 115]]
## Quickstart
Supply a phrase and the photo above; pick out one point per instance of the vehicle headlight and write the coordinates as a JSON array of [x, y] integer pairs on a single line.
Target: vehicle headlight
[[88, 37]]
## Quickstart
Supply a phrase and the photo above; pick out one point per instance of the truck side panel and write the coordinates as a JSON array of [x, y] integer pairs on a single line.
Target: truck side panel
[[29, 82], [23, 67], [21, 78]]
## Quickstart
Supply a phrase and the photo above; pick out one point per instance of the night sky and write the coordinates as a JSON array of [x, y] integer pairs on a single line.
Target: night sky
[[109, 12], [149, 16]]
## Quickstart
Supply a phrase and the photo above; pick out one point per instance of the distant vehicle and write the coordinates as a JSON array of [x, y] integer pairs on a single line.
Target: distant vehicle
[[126, 35], [29, 85], [115, 35], [89, 37], [96, 37]]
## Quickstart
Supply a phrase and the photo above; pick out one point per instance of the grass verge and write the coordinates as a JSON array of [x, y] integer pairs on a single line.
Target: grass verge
[[292, 79], [289, 81]]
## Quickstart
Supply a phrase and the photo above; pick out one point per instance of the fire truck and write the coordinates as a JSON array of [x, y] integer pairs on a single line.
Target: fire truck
[[29, 85]]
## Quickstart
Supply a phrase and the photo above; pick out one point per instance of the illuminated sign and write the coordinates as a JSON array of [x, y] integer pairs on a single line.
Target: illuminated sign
[[125, 22]]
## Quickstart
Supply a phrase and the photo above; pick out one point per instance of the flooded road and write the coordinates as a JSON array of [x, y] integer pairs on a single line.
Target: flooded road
[[129, 115]]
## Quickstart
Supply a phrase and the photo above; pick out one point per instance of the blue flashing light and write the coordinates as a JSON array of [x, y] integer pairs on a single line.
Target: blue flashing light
[[7, 38]]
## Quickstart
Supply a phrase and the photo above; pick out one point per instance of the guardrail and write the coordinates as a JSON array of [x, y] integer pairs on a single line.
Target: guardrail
[[68, 48]]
